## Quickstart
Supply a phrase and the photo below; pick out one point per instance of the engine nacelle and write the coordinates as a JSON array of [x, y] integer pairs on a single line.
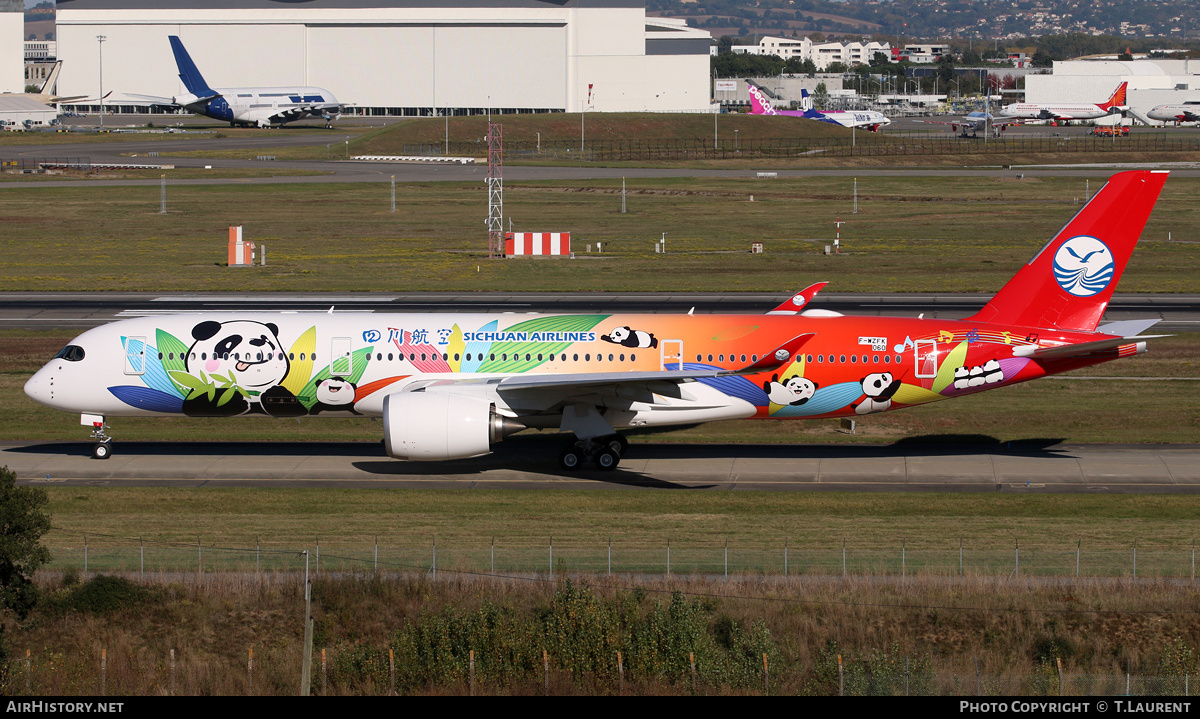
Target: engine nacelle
[[434, 426]]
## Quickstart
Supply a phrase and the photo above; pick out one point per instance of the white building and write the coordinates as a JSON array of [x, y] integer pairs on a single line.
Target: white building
[[12, 39], [924, 53], [406, 57], [822, 54], [1151, 82]]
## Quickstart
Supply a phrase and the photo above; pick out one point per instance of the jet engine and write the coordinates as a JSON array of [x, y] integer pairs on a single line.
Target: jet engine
[[434, 426]]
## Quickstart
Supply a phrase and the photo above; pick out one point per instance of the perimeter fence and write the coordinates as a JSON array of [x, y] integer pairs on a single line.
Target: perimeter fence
[[845, 557], [863, 145]]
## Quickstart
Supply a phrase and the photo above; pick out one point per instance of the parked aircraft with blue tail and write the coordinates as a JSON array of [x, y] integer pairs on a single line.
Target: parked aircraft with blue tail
[[252, 106]]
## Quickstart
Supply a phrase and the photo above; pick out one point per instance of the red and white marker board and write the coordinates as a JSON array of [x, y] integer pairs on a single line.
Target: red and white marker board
[[520, 244]]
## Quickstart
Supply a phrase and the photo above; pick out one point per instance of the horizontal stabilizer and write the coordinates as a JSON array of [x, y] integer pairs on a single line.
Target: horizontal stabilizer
[[1127, 328], [1080, 349]]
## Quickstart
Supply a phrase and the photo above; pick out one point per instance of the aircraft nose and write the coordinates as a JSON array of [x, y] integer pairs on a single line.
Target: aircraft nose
[[40, 387]]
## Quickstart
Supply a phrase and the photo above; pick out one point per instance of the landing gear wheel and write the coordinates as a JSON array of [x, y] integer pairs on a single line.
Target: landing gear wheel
[[618, 443], [606, 459], [102, 450], [571, 458]]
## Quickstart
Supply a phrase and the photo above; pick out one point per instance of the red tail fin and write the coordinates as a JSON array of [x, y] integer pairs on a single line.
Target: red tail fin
[[1068, 283], [1117, 99]]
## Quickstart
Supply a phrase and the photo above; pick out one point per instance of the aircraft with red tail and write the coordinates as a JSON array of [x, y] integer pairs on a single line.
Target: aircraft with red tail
[[449, 385]]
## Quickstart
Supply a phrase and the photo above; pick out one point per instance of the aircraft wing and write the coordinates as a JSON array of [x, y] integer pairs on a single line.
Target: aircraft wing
[[798, 301]]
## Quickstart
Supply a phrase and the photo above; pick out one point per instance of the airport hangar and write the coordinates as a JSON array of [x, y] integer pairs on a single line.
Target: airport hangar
[[394, 57], [1151, 82]]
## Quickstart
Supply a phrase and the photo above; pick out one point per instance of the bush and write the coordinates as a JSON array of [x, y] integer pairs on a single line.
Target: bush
[[104, 594]]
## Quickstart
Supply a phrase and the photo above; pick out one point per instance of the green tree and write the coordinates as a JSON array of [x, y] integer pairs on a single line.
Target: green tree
[[23, 522]]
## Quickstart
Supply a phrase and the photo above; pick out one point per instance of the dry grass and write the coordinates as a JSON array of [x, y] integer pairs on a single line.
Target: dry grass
[[1014, 629]]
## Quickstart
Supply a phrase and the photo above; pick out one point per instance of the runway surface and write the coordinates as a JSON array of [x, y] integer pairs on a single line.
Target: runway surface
[[1033, 466], [51, 310]]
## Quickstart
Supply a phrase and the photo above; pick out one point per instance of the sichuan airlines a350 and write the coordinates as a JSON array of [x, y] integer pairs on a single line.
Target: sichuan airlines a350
[[450, 385]]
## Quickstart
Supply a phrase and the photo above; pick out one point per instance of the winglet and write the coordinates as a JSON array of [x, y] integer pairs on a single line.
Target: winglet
[[778, 358], [799, 300]]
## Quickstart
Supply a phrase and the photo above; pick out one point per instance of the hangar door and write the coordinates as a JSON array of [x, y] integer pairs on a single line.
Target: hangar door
[[431, 65]]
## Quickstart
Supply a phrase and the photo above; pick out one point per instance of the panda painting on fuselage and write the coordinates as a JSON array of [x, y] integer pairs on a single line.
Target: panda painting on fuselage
[[245, 364]]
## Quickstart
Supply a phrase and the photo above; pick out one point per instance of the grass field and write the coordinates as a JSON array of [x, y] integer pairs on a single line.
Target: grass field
[[910, 235]]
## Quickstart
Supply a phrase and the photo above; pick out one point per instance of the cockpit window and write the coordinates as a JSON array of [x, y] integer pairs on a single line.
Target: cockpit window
[[71, 353]]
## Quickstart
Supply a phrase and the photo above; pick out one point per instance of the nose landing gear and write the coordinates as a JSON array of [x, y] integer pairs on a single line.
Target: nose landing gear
[[102, 449]]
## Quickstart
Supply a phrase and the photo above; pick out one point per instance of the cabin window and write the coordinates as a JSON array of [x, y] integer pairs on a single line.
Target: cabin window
[[291, 355], [842, 358], [853, 359], [697, 358], [633, 358], [710, 358], [539, 358], [622, 358], [897, 359], [887, 359], [810, 358], [455, 356], [743, 358], [753, 358], [587, 358], [720, 358], [312, 356], [875, 359], [468, 356], [610, 358], [528, 357], [551, 356]]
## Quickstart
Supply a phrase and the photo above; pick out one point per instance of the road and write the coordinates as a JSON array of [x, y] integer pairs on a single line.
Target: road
[[52, 310], [1034, 466]]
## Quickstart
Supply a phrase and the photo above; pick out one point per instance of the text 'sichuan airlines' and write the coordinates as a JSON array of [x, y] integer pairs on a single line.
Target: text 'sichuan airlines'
[[449, 385]]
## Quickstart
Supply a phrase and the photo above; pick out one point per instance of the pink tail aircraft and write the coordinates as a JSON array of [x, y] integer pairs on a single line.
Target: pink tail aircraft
[[449, 385], [868, 119]]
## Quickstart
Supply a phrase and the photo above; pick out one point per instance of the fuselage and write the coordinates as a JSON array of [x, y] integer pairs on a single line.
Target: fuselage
[[264, 105], [1187, 112], [330, 365], [1053, 112]]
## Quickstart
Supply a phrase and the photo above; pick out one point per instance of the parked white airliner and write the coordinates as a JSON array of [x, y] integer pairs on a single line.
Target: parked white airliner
[[1187, 112], [1065, 111], [259, 106]]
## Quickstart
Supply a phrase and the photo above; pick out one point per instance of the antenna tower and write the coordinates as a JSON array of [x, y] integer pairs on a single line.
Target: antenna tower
[[495, 184]]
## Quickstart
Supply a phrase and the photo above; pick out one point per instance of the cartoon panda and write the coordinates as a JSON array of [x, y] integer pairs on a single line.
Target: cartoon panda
[[248, 353], [630, 337], [334, 395], [989, 372], [878, 389], [795, 390]]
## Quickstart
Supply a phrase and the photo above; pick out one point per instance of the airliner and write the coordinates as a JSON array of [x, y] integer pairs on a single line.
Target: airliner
[[975, 121], [1115, 104], [760, 105], [250, 106], [450, 385], [1189, 111]]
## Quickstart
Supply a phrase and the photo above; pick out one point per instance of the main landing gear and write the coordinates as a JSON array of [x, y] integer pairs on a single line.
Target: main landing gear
[[102, 449], [605, 452]]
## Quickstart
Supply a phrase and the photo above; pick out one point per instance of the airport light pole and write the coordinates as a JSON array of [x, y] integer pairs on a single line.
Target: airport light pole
[[100, 39]]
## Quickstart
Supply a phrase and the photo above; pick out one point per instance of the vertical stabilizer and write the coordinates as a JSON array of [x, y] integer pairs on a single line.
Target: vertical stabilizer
[[1067, 285], [759, 104], [1117, 99], [188, 72]]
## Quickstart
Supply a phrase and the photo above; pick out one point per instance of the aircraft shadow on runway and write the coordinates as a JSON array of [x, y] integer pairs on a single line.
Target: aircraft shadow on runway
[[538, 455]]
